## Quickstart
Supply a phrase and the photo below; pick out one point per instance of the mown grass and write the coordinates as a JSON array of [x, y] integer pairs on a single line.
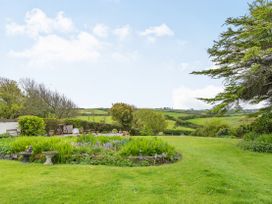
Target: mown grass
[[212, 171]]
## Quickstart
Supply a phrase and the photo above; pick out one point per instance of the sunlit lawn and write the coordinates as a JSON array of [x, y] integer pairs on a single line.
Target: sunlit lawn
[[211, 171]]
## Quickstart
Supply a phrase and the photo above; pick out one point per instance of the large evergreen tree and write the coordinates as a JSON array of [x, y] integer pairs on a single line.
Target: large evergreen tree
[[243, 58]]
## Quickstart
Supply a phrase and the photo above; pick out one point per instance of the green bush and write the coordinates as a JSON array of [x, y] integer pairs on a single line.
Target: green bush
[[91, 126], [265, 138], [222, 132], [258, 143], [263, 124], [149, 122], [242, 130], [213, 128], [31, 125], [146, 131], [123, 114], [250, 136]]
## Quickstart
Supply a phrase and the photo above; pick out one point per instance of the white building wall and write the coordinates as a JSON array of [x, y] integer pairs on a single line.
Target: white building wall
[[4, 126]]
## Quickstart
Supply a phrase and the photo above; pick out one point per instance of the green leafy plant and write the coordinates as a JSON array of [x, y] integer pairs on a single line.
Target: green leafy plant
[[256, 142], [149, 122], [31, 125], [263, 124], [123, 114]]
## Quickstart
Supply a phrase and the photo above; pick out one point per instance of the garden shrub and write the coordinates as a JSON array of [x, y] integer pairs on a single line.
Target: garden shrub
[[149, 122], [242, 130], [31, 125], [263, 124], [123, 114], [256, 142], [265, 138], [87, 126], [260, 137], [83, 125], [213, 128], [145, 131], [223, 132]]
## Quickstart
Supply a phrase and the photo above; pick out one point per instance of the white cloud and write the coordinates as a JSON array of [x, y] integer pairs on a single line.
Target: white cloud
[[122, 32], [36, 22], [84, 47], [154, 32], [125, 57], [247, 105], [101, 30], [54, 43], [186, 98]]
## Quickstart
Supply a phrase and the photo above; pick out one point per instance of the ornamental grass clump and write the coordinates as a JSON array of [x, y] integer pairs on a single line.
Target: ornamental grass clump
[[147, 147], [43, 144]]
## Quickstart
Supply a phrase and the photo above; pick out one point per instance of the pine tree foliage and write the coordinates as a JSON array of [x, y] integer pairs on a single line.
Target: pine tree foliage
[[243, 58]]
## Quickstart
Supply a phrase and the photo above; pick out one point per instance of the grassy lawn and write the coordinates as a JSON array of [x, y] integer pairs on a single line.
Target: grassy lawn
[[211, 171]]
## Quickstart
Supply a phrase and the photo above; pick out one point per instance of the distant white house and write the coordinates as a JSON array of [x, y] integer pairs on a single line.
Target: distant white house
[[8, 127]]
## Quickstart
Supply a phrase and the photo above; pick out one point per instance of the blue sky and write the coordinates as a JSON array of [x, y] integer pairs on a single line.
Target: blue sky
[[104, 51]]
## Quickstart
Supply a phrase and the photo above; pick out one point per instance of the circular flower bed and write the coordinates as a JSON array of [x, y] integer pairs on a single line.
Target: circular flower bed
[[88, 149]]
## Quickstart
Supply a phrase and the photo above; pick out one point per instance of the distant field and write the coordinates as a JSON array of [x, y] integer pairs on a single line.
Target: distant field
[[173, 114], [94, 111], [108, 120], [235, 120], [98, 119], [171, 125], [232, 121]]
